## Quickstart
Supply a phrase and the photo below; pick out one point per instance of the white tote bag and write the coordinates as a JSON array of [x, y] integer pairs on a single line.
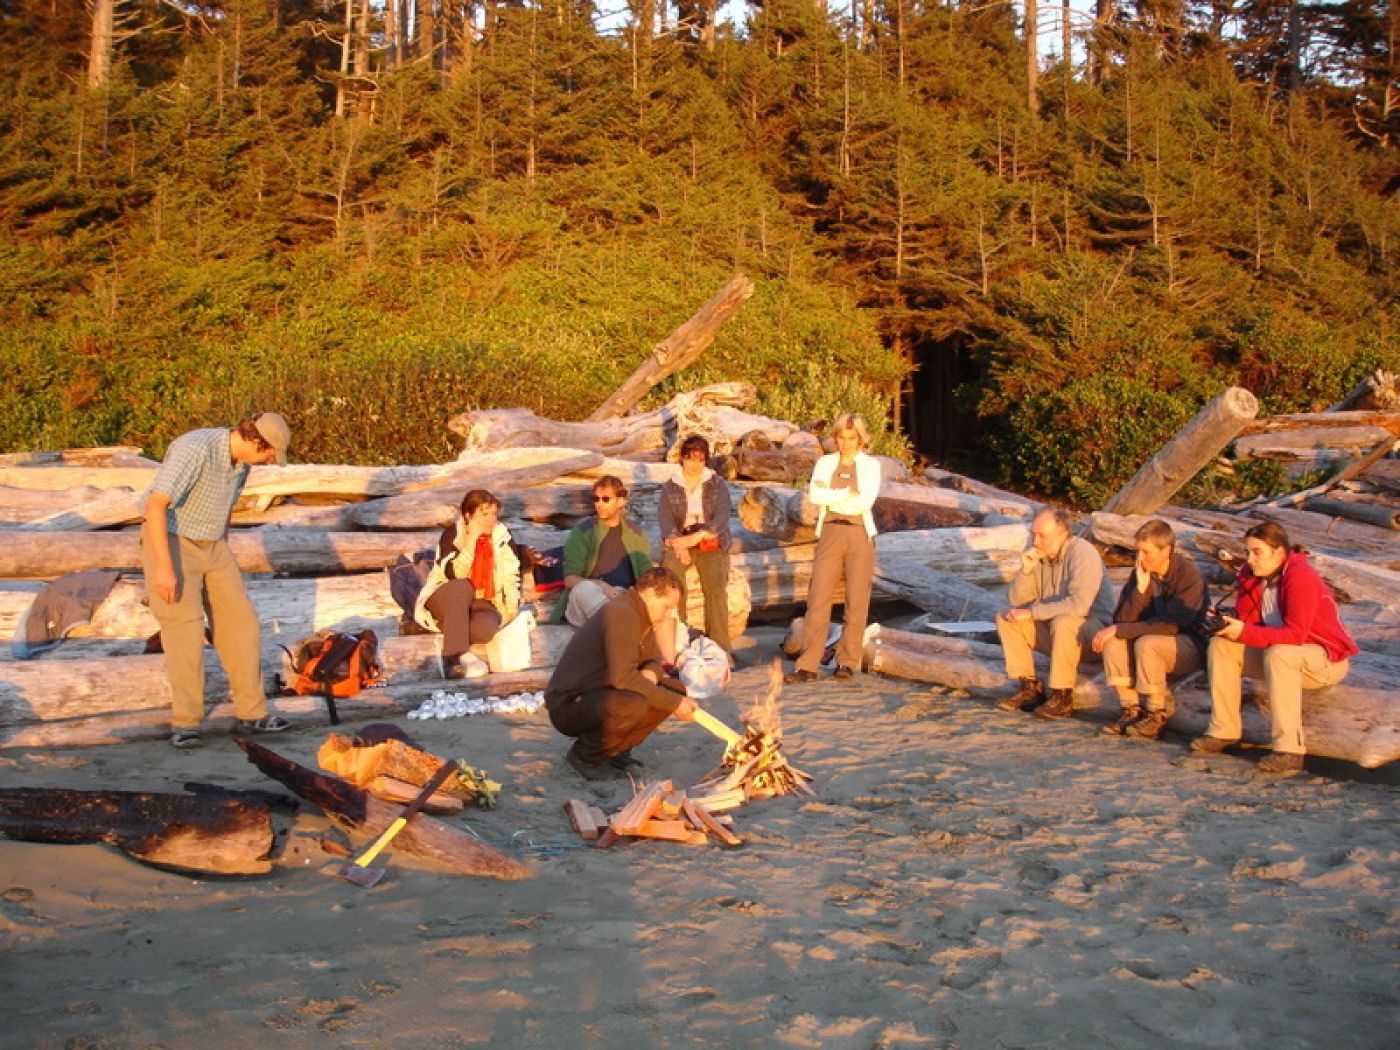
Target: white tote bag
[[509, 650]]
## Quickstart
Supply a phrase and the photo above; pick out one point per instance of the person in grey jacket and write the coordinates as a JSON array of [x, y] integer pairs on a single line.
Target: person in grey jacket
[[694, 513], [1059, 600]]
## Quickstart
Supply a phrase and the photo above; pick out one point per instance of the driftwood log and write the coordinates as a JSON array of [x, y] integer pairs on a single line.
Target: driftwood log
[[1357, 720], [641, 434], [1196, 445], [103, 456], [1379, 390], [945, 596], [789, 517], [195, 833], [1382, 516], [1350, 578], [45, 555], [678, 349], [1316, 444], [109, 699], [360, 813], [1008, 503]]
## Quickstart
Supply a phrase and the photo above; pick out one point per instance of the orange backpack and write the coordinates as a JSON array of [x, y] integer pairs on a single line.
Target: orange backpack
[[335, 664]]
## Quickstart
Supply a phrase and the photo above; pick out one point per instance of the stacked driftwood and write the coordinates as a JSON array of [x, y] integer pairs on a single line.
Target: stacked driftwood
[[315, 540], [1349, 523]]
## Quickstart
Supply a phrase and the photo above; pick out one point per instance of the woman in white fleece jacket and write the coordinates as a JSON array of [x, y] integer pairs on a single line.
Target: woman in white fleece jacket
[[843, 488]]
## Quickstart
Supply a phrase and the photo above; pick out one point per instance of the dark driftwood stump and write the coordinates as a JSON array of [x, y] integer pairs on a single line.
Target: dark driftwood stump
[[190, 832], [359, 811]]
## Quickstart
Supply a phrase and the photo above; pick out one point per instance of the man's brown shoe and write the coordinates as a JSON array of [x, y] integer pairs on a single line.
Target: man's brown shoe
[[1149, 726], [1030, 695], [1212, 745], [1127, 718], [1060, 704], [1281, 762]]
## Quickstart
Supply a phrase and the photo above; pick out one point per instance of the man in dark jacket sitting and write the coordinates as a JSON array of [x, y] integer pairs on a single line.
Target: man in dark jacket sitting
[[610, 689], [1152, 634]]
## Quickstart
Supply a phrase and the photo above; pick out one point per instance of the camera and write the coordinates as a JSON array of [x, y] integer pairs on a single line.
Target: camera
[[1212, 621]]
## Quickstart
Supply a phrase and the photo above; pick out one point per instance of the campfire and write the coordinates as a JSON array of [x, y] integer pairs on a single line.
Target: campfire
[[754, 767]]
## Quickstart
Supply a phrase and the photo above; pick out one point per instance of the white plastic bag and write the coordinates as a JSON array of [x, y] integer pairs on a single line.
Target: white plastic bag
[[704, 668], [509, 650]]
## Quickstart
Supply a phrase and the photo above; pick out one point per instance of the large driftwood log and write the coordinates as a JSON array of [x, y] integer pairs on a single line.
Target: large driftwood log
[[1356, 720], [45, 555], [678, 349], [196, 833], [1008, 503], [1380, 515], [22, 506], [1387, 419], [988, 555], [1351, 579], [110, 455], [946, 597], [431, 487], [361, 813], [1327, 443], [645, 432], [1379, 390], [788, 516], [62, 690], [1194, 446]]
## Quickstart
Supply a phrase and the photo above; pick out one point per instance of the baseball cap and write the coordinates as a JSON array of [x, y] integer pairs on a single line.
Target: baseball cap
[[273, 429]]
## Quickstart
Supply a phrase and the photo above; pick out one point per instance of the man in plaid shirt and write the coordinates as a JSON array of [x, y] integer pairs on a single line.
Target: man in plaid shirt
[[190, 569]]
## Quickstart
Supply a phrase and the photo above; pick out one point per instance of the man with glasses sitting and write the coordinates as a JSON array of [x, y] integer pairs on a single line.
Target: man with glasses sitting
[[603, 556]]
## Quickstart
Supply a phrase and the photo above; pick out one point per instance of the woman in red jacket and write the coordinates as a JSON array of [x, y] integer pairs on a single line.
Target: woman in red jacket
[[1285, 630]]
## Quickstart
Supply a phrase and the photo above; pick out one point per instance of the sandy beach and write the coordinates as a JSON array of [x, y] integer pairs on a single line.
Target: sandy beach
[[966, 878]]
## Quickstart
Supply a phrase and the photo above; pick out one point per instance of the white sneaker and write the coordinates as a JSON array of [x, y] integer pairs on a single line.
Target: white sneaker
[[474, 667]]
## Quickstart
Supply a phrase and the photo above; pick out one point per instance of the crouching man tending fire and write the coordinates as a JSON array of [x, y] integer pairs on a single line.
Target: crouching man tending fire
[[611, 689]]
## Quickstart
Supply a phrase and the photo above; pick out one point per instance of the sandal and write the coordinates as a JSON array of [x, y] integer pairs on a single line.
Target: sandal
[[186, 738], [266, 724]]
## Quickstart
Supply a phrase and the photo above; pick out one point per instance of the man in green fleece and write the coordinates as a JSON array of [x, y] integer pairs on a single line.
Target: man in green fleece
[[603, 556]]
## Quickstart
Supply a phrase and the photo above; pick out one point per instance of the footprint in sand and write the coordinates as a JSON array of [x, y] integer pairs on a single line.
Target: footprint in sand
[[1037, 874]]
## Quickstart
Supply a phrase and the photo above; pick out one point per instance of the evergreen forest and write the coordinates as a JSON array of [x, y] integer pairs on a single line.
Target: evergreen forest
[[1027, 241]]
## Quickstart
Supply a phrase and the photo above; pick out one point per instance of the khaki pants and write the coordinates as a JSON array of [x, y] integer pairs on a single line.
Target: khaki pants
[[585, 598], [1065, 639], [1149, 659], [207, 581], [846, 553], [1286, 670], [713, 569]]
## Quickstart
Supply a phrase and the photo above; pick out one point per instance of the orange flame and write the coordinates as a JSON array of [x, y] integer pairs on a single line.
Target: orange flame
[[763, 712]]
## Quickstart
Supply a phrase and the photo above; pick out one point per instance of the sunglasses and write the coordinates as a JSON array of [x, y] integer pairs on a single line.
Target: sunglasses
[[603, 499]]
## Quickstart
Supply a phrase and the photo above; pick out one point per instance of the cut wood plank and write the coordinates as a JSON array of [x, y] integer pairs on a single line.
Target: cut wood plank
[[703, 819], [401, 793], [668, 831], [361, 813], [194, 833], [581, 818], [678, 349]]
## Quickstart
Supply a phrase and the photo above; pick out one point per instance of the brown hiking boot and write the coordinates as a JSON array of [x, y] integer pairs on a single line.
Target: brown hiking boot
[[1280, 762], [1128, 716], [1149, 726], [1060, 704], [1211, 745], [1029, 696]]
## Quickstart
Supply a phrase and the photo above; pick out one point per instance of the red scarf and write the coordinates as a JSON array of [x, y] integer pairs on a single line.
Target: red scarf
[[483, 575]]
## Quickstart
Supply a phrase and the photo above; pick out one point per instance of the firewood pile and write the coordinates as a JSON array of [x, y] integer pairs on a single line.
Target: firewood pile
[[657, 811]]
